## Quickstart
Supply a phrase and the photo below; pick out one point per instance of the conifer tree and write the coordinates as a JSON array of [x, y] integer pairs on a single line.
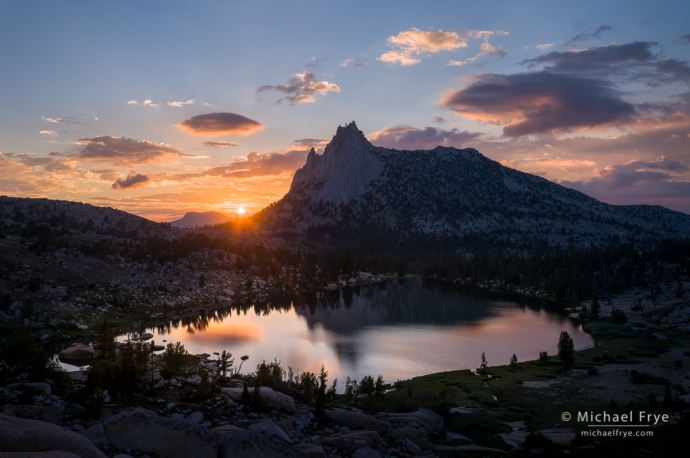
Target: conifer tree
[[566, 350]]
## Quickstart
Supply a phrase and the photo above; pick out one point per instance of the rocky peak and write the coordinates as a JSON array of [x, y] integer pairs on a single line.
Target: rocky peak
[[343, 172], [348, 139]]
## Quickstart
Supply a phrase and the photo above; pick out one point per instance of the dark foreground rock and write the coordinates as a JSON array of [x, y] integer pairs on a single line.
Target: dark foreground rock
[[248, 444], [23, 435], [141, 429], [38, 455], [270, 398]]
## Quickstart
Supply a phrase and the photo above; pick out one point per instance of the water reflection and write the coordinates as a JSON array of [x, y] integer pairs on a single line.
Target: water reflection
[[399, 329]]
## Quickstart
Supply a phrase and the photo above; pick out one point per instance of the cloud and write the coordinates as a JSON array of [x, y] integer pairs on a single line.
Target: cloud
[[132, 180], [440, 120], [223, 123], [411, 138], [145, 103], [220, 144], [123, 151], [637, 181], [48, 163], [51, 132], [355, 62], [66, 119], [545, 46], [631, 62], [596, 59], [589, 34], [257, 164], [409, 45], [685, 39], [181, 104], [311, 142], [302, 88], [676, 70], [530, 103], [485, 49]]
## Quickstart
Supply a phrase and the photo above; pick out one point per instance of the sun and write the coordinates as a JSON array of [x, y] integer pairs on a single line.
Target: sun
[[241, 210]]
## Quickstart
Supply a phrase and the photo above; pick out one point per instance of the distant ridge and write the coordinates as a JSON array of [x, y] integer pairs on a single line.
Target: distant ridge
[[361, 197], [194, 219]]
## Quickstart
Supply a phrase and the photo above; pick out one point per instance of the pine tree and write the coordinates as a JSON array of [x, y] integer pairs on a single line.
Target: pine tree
[[513, 362], [484, 363], [566, 350], [595, 307]]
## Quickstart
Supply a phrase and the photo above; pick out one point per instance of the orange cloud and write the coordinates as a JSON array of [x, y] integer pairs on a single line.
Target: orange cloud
[[223, 123], [408, 45], [302, 88], [220, 144], [123, 151]]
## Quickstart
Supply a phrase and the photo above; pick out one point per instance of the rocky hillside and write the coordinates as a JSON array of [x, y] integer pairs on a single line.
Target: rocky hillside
[[357, 194], [74, 218]]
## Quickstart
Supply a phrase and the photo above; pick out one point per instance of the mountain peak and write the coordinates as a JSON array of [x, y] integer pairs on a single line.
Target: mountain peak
[[348, 164], [348, 139], [356, 193]]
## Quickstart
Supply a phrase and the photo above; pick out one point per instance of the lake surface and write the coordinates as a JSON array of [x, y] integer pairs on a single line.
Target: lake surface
[[399, 329]]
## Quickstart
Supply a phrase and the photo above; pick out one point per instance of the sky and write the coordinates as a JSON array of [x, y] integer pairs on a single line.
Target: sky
[[164, 107]]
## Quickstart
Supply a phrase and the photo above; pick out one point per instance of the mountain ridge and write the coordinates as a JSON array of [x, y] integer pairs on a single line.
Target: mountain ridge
[[190, 220], [456, 195]]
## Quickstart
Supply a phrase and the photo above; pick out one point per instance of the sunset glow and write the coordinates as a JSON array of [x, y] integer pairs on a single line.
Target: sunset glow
[[227, 107]]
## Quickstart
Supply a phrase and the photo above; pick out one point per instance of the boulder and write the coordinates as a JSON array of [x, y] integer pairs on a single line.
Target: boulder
[[96, 434], [194, 380], [173, 438], [221, 431], [270, 429], [313, 450], [78, 352], [196, 417], [270, 398], [52, 414], [430, 420], [356, 419], [366, 452], [21, 435], [248, 444], [353, 441], [39, 386], [32, 412], [51, 454]]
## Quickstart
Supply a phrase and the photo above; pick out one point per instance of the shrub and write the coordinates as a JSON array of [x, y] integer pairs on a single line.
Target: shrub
[[366, 386], [5, 302], [591, 370], [513, 362], [543, 357], [536, 440], [618, 316], [173, 359]]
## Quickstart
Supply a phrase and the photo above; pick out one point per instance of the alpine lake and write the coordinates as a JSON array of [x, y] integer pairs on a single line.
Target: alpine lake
[[397, 328]]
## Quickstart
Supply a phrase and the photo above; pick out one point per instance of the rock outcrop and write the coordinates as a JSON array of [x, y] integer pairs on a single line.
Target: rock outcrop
[[144, 430], [248, 444], [270, 398], [23, 435], [78, 353]]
